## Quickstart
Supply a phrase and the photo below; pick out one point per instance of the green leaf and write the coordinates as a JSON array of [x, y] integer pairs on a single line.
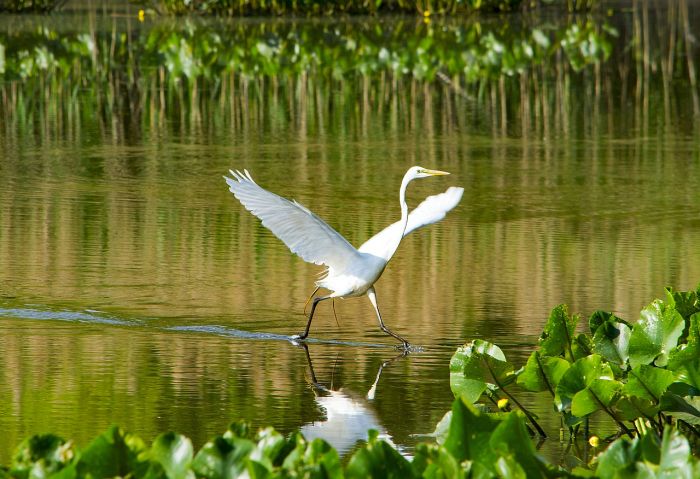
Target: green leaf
[[648, 456], [655, 334], [648, 382], [442, 428], [111, 454], [542, 373], [582, 346], [315, 459], [684, 360], [378, 459], [222, 458], [684, 408], [173, 453], [686, 303], [270, 445], [432, 461], [611, 337], [558, 333], [578, 377], [41, 456], [483, 439], [509, 468], [675, 458], [469, 433], [633, 407], [618, 459], [476, 366], [509, 440], [601, 393]]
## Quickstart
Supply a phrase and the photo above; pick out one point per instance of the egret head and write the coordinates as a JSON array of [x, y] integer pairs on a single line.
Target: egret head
[[420, 172]]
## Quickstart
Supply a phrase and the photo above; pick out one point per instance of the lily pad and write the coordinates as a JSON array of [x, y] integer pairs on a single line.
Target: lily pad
[[600, 394], [432, 461], [478, 366], [611, 336], [580, 376], [314, 459], [648, 382], [170, 456], [222, 458], [113, 453], [684, 359], [42, 455], [542, 373], [648, 457], [686, 303], [378, 459], [655, 334], [558, 333], [684, 408]]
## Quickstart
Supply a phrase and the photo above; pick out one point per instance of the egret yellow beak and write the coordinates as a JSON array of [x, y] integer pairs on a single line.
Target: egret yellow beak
[[435, 172]]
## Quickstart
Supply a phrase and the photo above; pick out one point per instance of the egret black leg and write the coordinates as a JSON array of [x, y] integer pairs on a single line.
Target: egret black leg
[[309, 300], [311, 316], [373, 299]]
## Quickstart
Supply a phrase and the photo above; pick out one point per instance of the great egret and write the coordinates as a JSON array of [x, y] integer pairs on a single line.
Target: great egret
[[350, 272]]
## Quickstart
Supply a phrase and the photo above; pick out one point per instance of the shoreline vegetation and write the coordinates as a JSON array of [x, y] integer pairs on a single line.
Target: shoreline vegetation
[[195, 75], [240, 8], [645, 377]]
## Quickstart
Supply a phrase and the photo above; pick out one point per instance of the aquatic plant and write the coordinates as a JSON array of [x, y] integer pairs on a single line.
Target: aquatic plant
[[17, 6], [191, 51], [325, 7], [644, 374]]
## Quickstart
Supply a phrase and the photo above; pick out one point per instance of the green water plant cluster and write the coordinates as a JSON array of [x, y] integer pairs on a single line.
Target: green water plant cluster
[[643, 376], [183, 53], [475, 444], [17, 6], [331, 7]]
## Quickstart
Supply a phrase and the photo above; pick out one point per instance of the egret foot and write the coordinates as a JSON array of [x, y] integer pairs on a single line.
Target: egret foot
[[409, 348], [298, 339]]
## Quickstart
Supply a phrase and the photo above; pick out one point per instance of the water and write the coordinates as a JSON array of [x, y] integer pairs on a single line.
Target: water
[[134, 289]]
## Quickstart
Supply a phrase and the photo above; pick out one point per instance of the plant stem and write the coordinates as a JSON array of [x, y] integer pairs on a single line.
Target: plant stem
[[546, 380], [515, 401], [568, 340], [609, 412], [646, 388], [690, 426]]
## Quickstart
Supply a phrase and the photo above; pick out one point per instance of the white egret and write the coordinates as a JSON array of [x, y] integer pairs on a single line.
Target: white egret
[[350, 272]]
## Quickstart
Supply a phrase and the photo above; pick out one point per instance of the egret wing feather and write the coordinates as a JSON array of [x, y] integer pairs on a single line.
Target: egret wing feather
[[304, 233], [431, 210]]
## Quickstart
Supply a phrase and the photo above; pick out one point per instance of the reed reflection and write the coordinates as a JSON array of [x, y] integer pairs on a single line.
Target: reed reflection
[[349, 415]]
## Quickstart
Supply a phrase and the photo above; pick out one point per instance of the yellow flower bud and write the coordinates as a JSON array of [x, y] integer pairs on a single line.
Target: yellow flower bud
[[594, 441], [142, 15], [502, 403]]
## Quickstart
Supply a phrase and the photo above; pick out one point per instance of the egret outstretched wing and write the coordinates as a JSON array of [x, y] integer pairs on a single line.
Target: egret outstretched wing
[[304, 233], [431, 210]]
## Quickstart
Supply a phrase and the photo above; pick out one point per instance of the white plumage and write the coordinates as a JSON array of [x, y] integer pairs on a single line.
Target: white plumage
[[351, 272]]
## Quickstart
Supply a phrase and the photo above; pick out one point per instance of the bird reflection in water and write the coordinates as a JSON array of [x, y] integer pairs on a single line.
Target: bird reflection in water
[[348, 415]]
